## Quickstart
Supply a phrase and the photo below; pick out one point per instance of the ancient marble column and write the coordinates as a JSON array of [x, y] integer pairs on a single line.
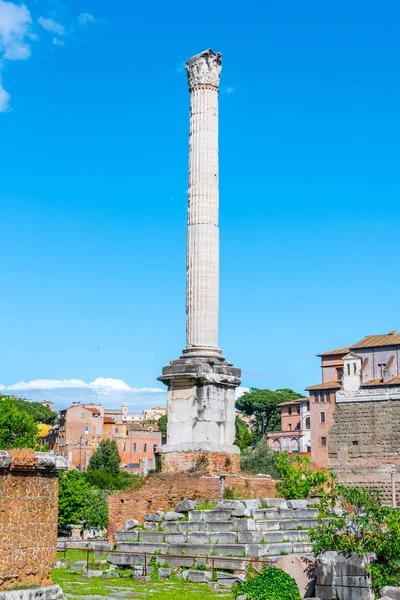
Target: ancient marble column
[[201, 383], [202, 283]]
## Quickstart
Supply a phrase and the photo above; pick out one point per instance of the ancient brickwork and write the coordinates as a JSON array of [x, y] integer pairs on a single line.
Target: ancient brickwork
[[28, 517], [162, 491], [364, 444], [212, 462]]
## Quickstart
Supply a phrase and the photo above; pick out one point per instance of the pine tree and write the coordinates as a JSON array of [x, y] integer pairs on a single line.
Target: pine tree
[[106, 457]]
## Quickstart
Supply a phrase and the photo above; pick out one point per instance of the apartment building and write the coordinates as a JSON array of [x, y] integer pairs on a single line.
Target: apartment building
[[295, 428]]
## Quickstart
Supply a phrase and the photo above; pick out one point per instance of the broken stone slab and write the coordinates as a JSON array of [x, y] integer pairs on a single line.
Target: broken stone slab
[[127, 536], [250, 537], [120, 559], [273, 502], [164, 573], [171, 515], [91, 574], [153, 518], [229, 579], [197, 576], [130, 524], [185, 506], [272, 525], [170, 527], [295, 504], [49, 592], [236, 506], [252, 504], [78, 564], [186, 527], [391, 592], [264, 513], [137, 571], [60, 565], [180, 561]]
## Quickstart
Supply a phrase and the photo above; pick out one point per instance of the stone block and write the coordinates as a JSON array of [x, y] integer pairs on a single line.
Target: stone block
[[302, 569], [141, 547], [229, 563], [391, 592], [171, 515], [210, 516], [119, 559], [170, 527], [198, 537], [190, 549], [197, 576], [223, 538], [229, 549], [152, 536], [244, 524], [302, 547], [250, 537], [295, 504], [78, 565], [325, 575], [220, 526], [273, 525], [186, 527], [137, 571], [130, 524], [49, 592], [306, 513], [268, 549], [91, 574], [127, 536], [264, 513], [287, 513], [228, 579], [175, 538], [164, 573], [236, 506], [252, 504], [180, 561], [60, 565], [274, 503], [153, 518], [185, 506], [152, 525]]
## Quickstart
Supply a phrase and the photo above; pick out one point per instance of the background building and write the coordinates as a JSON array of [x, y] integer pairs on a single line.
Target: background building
[[295, 428]]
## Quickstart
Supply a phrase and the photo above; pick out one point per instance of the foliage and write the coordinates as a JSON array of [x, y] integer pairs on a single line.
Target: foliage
[[270, 584], [39, 413], [95, 513], [104, 480], [243, 437], [162, 424], [263, 404], [106, 457], [261, 459], [298, 480], [365, 526], [73, 498], [17, 427]]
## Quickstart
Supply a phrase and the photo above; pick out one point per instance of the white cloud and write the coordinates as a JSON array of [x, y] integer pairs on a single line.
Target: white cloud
[[147, 390], [51, 25], [2, 387], [57, 42], [48, 384], [4, 98], [14, 25], [85, 18], [101, 383], [108, 382], [241, 390], [230, 90]]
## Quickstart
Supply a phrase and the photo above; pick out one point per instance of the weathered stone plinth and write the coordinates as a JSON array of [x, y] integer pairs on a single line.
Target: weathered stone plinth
[[212, 462]]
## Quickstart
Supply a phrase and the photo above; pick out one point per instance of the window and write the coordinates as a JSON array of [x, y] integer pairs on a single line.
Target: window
[[316, 397], [322, 417], [154, 447], [144, 447], [323, 442], [123, 447], [381, 367], [82, 415], [134, 447], [290, 427], [294, 445], [86, 429], [328, 396], [355, 368], [307, 406], [116, 419], [308, 423], [298, 409], [339, 374], [322, 397], [348, 368], [289, 410], [117, 430], [277, 445]]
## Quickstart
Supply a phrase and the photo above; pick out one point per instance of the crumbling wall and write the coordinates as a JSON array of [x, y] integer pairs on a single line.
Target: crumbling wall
[[28, 517], [364, 444], [162, 491]]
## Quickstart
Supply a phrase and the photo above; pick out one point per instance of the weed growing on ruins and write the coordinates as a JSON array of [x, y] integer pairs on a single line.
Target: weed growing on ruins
[[207, 505], [231, 494], [365, 526], [270, 584]]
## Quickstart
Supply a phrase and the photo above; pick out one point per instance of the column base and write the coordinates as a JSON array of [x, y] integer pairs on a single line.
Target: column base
[[199, 460]]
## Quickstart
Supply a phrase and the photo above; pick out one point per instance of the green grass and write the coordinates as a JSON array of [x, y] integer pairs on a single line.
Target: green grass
[[208, 505], [76, 587]]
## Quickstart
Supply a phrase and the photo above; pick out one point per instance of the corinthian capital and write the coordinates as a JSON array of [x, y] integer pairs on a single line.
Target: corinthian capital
[[204, 69]]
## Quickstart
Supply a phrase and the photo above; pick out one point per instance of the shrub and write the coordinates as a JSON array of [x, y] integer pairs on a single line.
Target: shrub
[[298, 480], [366, 526], [261, 459], [104, 480], [270, 584]]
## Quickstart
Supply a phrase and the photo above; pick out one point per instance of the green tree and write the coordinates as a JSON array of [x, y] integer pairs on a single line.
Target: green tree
[[263, 405], [162, 424], [243, 437], [297, 478], [17, 428], [73, 498], [95, 513], [261, 459], [106, 457], [40, 413], [104, 480]]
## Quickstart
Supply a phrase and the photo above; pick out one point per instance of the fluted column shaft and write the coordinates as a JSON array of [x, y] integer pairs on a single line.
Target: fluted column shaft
[[202, 289]]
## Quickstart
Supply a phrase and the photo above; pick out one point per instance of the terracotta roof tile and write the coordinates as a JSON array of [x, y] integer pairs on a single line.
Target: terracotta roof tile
[[92, 410], [108, 420], [370, 382], [328, 385], [343, 350], [372, 341]]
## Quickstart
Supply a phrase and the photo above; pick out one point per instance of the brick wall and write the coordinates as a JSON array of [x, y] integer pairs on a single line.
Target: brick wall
[[364, 444], [28, 517], [162, 491]]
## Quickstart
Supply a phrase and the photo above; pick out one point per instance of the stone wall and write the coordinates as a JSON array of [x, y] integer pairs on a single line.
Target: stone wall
[[213, 462], [162, 491], [28, 517], [364, 444]]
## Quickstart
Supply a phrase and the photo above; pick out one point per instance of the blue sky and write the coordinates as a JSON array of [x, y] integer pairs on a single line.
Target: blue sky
[[93, 178]]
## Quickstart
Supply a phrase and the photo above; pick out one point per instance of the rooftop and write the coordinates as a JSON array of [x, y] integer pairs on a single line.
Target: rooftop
[[372, 341], [328, 385]]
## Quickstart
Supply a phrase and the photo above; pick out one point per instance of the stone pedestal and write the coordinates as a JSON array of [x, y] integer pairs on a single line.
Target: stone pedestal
[[201, 384]]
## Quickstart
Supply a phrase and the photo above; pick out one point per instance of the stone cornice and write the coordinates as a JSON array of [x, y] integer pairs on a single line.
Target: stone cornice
[[27, 460]]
